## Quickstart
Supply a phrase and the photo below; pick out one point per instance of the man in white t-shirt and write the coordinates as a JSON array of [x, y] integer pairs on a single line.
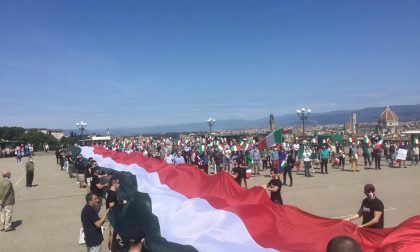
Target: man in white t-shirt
[[169, 158]]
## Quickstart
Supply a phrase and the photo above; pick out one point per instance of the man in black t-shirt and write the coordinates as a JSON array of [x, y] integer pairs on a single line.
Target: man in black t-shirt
[[274, 187], [236, 172], [372, 210], [111, 201], [92, 223], [111, 197], [97, 188]]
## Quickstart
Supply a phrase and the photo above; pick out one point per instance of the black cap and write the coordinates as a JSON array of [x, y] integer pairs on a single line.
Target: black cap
[[136, 234]]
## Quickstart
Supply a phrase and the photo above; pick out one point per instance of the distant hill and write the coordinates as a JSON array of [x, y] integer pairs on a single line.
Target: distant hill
[[404, 112]]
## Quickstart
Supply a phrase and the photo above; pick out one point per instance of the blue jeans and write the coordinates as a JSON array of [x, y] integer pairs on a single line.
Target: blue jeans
[[226, 163], [414, 160], [307, 165]]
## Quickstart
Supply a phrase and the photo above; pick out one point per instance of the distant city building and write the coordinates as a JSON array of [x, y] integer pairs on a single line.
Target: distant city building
[[272, 123], [346, 126], [388, 121], [58, 134], [353, 124]]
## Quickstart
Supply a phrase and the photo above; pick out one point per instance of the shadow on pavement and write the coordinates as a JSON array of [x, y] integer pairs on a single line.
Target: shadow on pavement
[[16, 224]]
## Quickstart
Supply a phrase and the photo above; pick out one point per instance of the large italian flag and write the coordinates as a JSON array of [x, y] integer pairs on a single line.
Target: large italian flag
[[270, 140], [213, 213]]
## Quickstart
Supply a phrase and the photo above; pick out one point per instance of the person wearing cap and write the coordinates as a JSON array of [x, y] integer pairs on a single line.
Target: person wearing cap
[[7, 200], [136, 237], [372, 209]]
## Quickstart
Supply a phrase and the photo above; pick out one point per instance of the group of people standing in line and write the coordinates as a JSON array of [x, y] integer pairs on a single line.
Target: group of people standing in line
[[101, 186]]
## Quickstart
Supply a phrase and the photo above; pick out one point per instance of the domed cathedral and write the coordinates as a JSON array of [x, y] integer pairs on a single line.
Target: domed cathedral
[[388, 121]]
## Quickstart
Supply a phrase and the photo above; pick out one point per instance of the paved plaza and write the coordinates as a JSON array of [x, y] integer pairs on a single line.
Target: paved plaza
[[47, 216]]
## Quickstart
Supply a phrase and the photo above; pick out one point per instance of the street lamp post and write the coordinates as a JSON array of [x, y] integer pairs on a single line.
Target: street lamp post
[[211, 122], [82, 126], [303, 115]]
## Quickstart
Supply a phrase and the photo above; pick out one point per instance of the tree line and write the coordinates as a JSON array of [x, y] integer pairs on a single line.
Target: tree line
[[33, 136]]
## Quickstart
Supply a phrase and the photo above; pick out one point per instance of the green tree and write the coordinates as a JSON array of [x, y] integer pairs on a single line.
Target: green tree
[[38, 139], [11, 133], [71, 140]]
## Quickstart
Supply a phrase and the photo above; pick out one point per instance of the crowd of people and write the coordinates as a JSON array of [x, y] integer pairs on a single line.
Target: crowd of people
[[241, 158], [17, 150], [213, 154], [101, 188]]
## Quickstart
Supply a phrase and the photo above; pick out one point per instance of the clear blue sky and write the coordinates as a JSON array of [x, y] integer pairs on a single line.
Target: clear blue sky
[[142, 63]]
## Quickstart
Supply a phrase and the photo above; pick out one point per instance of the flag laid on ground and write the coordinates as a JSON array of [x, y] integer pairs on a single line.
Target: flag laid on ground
[[271, 140], [213, 213]]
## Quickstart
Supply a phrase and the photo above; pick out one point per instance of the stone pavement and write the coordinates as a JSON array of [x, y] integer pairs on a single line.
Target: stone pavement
[[47, 216], [339, 194]]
